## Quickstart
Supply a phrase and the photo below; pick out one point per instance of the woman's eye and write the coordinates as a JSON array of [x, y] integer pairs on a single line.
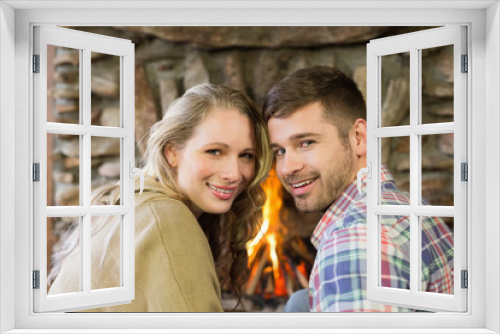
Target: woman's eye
[[248, 156], [213, 152]]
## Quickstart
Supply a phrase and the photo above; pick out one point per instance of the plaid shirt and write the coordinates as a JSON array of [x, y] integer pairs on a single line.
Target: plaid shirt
[[338, 278]]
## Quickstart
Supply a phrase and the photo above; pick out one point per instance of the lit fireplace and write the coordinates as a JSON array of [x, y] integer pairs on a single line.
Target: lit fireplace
[[278, 258]]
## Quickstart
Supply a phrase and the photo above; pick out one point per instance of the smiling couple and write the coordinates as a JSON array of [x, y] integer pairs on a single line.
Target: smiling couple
[[204, 163]]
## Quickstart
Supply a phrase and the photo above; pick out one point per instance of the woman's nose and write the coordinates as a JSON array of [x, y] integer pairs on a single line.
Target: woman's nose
[[231, 171]]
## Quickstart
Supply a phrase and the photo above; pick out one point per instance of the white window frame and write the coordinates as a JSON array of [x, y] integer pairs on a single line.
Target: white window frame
[[414, 43], [483, 20], [85, 43]]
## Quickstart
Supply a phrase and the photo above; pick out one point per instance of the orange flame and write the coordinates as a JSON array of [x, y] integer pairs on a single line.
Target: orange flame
[[270, 223]]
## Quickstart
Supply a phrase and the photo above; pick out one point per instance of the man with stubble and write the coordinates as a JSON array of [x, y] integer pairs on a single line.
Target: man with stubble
[[317, 125]]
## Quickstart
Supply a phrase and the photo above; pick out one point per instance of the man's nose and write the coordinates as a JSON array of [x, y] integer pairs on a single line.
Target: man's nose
[[291, 163], [231, 170]]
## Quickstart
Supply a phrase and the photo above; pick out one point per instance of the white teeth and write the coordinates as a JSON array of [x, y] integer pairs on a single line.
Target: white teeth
[[224, 191], [301, 184]]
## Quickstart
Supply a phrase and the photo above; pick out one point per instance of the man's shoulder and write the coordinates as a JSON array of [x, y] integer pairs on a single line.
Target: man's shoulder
[[392, 195]]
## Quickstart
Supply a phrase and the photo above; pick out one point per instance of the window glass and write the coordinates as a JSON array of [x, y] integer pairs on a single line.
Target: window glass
[[105, 86]]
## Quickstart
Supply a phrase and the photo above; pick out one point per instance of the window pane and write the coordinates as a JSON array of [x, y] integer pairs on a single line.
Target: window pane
[[106, 252], [105, 86], [395, 99], [437, 254], [437, 84], [63, 239], [395, 251], [437, 169], [105, 161], [63, 85], [395, 155], [63, 170]]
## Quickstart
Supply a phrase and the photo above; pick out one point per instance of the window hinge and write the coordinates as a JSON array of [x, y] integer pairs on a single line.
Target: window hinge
[[36, 172], [36, 63], [465, 172], [36, 279], [465, 279], [465, 64]]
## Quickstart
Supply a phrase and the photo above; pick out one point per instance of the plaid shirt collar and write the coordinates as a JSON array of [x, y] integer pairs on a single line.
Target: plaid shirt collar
[[343, 202]]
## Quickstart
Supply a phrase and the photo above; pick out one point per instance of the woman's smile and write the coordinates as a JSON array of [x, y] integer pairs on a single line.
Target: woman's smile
[[221, 192]]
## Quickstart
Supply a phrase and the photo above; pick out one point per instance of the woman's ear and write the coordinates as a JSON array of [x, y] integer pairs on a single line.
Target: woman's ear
[[172, 154], [358, 133]]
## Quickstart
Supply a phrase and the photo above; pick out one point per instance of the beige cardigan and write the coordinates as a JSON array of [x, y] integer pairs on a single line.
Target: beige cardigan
[[174, 267]]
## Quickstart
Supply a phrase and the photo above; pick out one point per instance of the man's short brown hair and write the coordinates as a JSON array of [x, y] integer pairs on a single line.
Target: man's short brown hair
[[341, 99]]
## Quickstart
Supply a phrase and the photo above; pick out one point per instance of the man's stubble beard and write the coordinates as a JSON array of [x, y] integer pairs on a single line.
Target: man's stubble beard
[[331, 190]]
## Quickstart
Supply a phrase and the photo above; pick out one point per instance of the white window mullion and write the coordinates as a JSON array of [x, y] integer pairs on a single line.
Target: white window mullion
[[373, 75], [127, 109], [415, 174], [423, 210], [86, 169], [460, 104]]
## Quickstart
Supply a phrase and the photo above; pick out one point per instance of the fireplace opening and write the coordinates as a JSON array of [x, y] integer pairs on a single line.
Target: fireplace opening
[[280, 257]]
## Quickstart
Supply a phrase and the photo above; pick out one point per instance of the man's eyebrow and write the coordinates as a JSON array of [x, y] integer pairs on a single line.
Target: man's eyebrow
[[296, 137], [304, 135]]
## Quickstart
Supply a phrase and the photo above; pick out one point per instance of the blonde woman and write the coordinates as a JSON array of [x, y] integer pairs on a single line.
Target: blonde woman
[[204, 164]]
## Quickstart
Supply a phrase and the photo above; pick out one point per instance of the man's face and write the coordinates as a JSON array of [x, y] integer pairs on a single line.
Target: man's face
[[312, 162]]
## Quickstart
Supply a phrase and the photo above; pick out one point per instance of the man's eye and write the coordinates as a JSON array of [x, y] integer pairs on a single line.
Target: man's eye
[[278, 153], [307, 143], [213, 152]]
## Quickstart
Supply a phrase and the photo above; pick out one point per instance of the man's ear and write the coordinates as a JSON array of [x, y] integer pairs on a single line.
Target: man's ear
[[358, 137], [172, 155]]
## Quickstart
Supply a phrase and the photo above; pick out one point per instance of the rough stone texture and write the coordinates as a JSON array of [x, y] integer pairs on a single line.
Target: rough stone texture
[[71, 162], [105, 78], [168, 93], [359, 78], [262, 37], [67, 93], [437, 72], [70, 148], [145, 109], [196, 73], [265, 74], [156, 49], [63, 177], [446, 143], [110, 117], [104, 147], [440, 108], [68, 195], [110, 169], [69, 76], [233, 72], [397, 101], [67, 108]]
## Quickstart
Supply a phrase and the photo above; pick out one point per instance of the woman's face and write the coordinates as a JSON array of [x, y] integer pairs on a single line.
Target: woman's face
[[217, 163]]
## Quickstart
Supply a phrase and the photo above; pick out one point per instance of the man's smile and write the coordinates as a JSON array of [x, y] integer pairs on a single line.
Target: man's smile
[[302, 187]]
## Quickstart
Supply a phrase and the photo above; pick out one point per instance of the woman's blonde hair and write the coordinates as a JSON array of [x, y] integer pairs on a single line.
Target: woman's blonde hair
[[227, 233]]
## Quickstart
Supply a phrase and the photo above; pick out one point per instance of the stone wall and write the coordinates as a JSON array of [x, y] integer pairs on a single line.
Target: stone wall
[[170, 60]]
